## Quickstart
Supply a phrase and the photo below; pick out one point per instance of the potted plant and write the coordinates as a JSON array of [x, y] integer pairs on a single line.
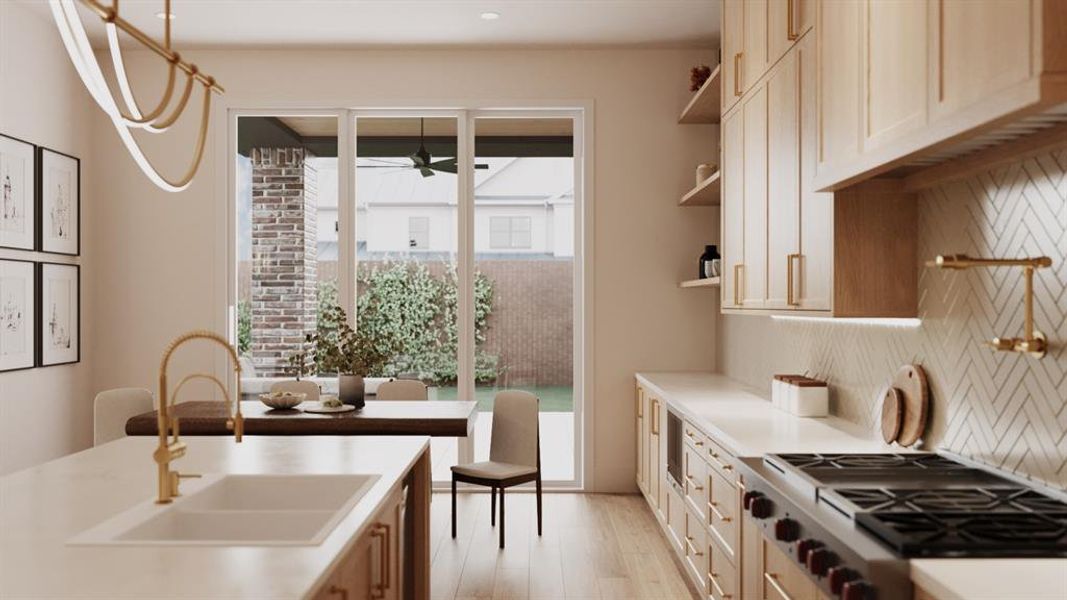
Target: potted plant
[[351, 354]]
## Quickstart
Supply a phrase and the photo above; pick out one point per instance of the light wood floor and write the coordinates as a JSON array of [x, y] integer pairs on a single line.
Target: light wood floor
[[594, 546]]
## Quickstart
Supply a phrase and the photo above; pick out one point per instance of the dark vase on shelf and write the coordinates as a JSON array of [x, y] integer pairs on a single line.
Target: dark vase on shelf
[[350, 390], [709, 262]]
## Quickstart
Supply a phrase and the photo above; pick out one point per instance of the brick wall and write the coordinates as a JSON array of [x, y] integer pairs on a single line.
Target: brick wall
[[284, 250]]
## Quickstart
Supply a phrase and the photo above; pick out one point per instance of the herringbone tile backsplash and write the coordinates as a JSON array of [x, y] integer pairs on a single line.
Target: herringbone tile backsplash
[[1003, 409]]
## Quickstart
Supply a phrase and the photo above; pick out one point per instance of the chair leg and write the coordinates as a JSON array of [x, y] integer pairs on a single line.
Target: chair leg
[[501, 518], [453, 507], [538, 504], [492, 513]]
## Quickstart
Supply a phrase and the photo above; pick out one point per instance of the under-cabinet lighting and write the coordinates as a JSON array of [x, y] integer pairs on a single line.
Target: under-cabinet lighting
[[490, 16], [163, 16], [877, 322]]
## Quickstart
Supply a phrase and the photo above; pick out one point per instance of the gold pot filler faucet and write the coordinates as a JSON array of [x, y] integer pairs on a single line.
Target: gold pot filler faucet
[[173, 448], [1033, 342]]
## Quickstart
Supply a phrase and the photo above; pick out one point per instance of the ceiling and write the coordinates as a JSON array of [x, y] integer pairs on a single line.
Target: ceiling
[[427, 23], [411, 127]]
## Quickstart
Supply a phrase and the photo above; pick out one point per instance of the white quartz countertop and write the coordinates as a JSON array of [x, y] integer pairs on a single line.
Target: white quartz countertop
[[992, 578], [42, 507], [748, 425]]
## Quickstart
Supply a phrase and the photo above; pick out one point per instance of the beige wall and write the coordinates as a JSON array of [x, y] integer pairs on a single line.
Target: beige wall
[[46, 413], [1003, 409], [165, 254]]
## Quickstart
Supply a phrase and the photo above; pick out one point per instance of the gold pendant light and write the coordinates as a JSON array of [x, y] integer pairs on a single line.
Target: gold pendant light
[[156, 121]]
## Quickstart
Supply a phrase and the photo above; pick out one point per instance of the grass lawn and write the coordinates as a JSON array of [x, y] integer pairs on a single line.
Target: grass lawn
[[554, 398]]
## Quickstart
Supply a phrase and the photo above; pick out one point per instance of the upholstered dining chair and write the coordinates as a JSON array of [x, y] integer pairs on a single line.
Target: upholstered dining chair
[[298, 386], [112, 408], [514, 454], [401, 389]]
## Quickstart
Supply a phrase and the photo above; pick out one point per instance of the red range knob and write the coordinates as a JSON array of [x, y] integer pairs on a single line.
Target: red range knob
[[839, 576], [820, 560], [857, 590], [746, 500], [761, 507], [804, 547], [786, 530]]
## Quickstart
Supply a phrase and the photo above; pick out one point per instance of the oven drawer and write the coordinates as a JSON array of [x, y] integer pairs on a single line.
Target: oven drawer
[[721, 578], [723, 512], [782, 577], [695, 472]]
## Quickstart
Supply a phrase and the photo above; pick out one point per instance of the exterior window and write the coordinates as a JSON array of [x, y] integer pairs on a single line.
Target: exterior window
[[509, 233], [419, 233]]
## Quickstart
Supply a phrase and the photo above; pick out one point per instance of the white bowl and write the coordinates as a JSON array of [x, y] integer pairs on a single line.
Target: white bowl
[[282, 400]]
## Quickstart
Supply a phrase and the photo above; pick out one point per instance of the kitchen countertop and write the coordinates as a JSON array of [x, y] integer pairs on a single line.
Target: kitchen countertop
[[747, 424], [42, 507]]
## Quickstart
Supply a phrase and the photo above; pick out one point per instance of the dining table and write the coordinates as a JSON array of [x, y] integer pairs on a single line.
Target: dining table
[[435, 418]]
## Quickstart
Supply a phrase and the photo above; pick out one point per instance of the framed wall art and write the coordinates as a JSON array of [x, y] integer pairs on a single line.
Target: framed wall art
[[59, 208], [18, 306], [59, 310], [18, 198]]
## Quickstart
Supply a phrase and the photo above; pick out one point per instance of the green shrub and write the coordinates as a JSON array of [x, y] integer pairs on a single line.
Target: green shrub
[[244, 326]]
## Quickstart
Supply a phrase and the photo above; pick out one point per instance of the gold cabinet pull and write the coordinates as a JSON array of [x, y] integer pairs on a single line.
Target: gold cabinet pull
[[655, 417], [772, 578], [790, 21], [713, 506], [695, 487], [640, 404], [791, 298], [713, 579], [738, 269], [737, 73], [381, 530], [337, 590], [692, 548], [715, 456]]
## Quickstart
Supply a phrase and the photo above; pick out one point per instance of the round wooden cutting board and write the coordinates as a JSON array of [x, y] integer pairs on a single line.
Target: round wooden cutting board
[[892, 414], [910, 381]]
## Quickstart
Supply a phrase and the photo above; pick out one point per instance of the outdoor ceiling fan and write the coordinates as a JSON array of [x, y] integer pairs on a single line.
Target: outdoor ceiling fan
[[423, 161]]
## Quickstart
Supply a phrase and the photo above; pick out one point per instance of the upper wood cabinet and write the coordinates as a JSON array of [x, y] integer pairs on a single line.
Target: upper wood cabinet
[[787, 20], [788, 248], [733, 27], [911, 83], [754, 60]]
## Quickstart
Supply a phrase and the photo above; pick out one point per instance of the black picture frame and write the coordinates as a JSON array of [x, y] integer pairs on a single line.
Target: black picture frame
[[35, 342], [33, 199], [41, 154], [41, 322]]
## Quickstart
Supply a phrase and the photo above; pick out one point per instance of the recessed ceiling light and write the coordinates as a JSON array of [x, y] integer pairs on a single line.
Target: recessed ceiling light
[[490, 16], [163, 16]]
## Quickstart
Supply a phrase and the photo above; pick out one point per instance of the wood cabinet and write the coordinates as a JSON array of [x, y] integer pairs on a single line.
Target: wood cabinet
[[733, 27], [732, 211], [787, 21], [702, 519], [642, 438], [754, 43], [373, 569], [789, 248], [916, 83]]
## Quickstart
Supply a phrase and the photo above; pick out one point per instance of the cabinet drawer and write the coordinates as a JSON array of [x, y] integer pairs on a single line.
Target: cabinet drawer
[[695, 549], [782, 577], [720, 460], [694, 438], [723, 505], [721, 575], [696, 481]]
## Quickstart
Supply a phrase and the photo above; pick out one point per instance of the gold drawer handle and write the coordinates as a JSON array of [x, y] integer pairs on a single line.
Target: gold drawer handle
[[790, 292], [714, 508], [696, 487], [689, 543], [339, 591], [713, 579], [790, 17], [737, 74], [715, 456], [772, 578]]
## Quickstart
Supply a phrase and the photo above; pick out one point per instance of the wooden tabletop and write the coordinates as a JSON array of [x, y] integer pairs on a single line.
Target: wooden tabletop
[[442, 418]]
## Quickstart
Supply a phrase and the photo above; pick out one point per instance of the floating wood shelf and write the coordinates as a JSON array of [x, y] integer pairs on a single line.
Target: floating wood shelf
[[708, 282], [705, 106], [705, 194]]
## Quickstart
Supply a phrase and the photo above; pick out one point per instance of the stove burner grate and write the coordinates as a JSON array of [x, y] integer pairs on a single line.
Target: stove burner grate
[[946, 534], [894, 462], [985, 500]]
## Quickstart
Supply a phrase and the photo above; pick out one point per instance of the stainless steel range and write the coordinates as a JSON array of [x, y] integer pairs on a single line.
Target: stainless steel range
[[853, 520]]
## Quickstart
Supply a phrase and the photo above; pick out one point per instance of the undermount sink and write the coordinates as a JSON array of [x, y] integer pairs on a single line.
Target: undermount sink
[[239, 510]]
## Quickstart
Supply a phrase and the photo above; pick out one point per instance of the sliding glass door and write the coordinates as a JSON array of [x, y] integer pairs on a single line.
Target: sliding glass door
[[454, 237]]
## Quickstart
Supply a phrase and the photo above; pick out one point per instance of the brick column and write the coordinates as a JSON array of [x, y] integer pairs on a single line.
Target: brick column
[[284, 252]]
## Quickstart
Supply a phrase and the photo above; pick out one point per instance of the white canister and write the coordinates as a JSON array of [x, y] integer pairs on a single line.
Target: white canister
[[809, 398]]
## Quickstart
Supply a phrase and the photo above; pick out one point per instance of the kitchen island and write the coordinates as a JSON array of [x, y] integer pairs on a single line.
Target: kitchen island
[[43, 508]]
